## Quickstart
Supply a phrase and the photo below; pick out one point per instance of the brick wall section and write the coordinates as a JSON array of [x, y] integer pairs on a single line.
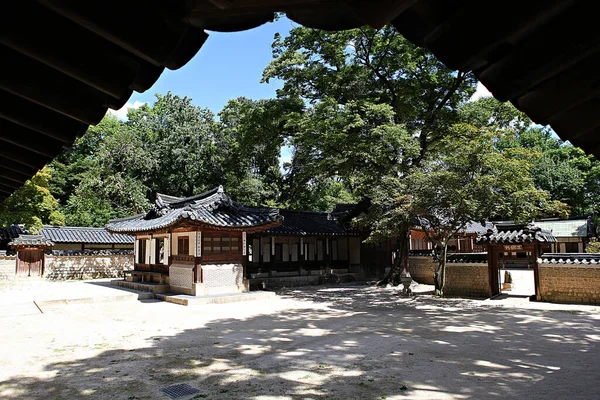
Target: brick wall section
[[87, 267], [422, 269], [568, 283], [8, 267], [467, 280]]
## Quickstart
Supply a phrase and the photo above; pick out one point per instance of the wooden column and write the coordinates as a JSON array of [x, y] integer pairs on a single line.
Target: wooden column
[[536, 274]]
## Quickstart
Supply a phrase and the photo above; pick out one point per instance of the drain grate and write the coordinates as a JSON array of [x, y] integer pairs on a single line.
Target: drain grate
[[180, 390]]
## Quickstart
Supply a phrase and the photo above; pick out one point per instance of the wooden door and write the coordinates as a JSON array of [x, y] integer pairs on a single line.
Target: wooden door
[[30, 262]]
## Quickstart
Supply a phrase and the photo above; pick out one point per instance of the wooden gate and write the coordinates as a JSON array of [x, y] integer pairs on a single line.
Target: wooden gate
[[30, 262]]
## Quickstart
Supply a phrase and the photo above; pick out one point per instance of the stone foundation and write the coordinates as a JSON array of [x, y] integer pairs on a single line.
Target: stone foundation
[[569, 283], [86, 267], [467, 280], [422, 269]]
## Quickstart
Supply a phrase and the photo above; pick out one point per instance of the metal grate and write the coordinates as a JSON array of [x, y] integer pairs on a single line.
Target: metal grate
[[180, 390]]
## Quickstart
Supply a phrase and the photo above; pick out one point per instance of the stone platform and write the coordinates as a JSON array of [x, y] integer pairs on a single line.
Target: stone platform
[[162, 292], [186, 300]]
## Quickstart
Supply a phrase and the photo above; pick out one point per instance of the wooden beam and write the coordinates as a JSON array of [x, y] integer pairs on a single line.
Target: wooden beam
[[28, 139], [21, 156], [48, 122], [27, 78], [99, 64], [154, 33]]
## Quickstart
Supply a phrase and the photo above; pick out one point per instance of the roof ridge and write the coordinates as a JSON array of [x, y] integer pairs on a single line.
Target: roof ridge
[[200, 196], [125, 218], [71, 227]]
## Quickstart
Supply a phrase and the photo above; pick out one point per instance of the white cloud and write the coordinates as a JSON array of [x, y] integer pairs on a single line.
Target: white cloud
[[121, 114], [480, 92]]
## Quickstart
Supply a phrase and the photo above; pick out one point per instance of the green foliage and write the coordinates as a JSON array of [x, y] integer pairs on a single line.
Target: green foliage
[[32, 205], [593, 247]]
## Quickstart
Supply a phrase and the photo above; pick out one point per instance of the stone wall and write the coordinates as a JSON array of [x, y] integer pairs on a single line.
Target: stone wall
[[8, 265], [422, 268], [570, 283], [87, 267], [467, 280]]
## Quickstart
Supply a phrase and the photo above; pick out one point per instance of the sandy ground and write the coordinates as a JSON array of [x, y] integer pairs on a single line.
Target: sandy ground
[[342, 342]]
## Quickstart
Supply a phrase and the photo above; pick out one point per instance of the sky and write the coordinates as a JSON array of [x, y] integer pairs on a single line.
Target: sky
[[227, 66]]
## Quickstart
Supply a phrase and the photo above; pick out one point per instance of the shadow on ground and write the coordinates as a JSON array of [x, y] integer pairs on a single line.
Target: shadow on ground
[[360, 343]]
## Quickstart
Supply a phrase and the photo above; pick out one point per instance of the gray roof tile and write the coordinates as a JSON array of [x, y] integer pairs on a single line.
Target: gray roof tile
[[508, 234], [31, 240], [75, 234], [212, 208]]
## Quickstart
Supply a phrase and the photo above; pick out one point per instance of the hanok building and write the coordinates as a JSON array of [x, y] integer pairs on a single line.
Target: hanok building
[[197, 245], [572, 234], [306, 243]]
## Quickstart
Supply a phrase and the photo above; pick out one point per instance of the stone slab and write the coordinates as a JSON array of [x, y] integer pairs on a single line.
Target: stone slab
[[186, 300]]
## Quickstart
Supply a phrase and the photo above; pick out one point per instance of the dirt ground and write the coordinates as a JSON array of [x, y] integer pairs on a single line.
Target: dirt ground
[[342, 342]]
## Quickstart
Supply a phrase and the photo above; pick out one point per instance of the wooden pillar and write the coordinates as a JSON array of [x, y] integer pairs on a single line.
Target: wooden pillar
[[302, 256], [536, 273], [327, 254], [260, 254]]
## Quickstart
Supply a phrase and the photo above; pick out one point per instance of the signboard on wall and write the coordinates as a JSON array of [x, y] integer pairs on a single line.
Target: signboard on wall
[[198, 244], [513, 247], [243, 243]]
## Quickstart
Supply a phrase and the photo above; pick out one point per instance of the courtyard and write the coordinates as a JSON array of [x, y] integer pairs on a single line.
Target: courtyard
[[338, 342]]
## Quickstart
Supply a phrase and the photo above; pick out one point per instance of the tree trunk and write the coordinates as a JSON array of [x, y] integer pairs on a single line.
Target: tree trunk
[[440, 274], [400, 263]]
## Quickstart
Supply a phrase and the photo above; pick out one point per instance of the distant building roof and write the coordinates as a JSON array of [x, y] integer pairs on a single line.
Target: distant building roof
[[76, 234], [11, 232], [476, 227], [566, 228], [31, 240], [213, 208], [309, 223], [509, 234]]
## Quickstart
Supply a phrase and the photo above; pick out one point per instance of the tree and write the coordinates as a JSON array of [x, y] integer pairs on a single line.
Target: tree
[[375, 105], [470, 179], [254, 132], [186, 149], [32, 205], [69, 168], [114, 185]]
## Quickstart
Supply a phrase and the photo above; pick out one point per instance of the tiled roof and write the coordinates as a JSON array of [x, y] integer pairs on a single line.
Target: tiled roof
[[566, 228], [476, 227], [308, 223], [11, 232], [73, 234], [570, 258], [508, 234], [31, 240], [212, 208], [467, 258]]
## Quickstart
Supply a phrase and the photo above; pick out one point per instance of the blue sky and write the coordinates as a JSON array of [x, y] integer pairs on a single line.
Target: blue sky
[[227, 66]]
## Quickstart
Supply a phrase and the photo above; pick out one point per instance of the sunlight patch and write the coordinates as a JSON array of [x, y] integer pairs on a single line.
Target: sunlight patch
[[489, 364]]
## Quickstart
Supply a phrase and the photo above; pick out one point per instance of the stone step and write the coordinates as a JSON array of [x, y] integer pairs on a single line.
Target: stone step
[[187, 300], [141, 287]]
